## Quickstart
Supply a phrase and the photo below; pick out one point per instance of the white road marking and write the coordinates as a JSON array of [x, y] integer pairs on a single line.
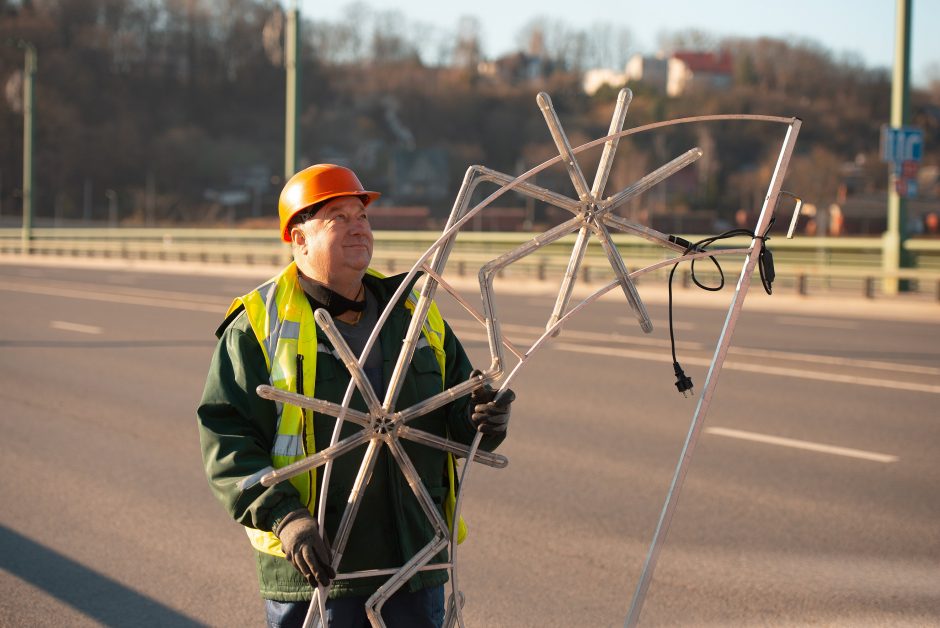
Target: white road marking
[[574, 334], [801, 444], [833, 360], [77, 327], [815, 322], [467, 330], [874, 382], [157, 300], [657, 322]]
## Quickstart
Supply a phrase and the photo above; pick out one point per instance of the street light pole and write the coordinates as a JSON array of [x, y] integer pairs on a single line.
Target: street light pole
[[28, 102], [893, 256], [291, 61]]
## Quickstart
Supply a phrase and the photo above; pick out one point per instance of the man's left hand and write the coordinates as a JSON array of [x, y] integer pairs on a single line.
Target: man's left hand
[[487, 413]]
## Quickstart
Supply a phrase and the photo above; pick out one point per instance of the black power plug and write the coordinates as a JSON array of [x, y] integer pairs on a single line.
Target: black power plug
[[683, 381]]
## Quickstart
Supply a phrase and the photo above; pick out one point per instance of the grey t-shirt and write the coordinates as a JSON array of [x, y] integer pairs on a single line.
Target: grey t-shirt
[[356, 337]]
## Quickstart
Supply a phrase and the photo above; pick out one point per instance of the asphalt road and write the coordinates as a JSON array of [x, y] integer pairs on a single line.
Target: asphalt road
[[812, 499]]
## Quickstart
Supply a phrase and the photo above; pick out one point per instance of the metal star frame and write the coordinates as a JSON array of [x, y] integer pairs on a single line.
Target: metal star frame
[[383, 425]]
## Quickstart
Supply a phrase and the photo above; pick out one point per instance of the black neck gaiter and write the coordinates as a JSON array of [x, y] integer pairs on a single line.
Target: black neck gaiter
[[322, 297]]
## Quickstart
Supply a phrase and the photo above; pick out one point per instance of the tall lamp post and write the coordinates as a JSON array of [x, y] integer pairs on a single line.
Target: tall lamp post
[[29, 74], [894, 256], [291, 62]]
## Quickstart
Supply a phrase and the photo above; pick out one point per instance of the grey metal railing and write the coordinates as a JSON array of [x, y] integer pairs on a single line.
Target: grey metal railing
[[808, 265]]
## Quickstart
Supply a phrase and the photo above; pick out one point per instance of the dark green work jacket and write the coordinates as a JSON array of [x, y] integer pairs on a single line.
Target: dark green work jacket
[[237, 429]]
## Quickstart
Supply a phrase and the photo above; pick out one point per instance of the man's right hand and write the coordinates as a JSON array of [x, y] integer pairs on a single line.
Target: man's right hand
[[305, 548]]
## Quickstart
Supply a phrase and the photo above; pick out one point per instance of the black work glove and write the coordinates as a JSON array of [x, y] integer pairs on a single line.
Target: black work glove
[[486, 414], [305, 548]]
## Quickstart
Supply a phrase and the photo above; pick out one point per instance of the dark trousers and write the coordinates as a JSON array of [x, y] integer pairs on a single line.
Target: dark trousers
[[421, 609]]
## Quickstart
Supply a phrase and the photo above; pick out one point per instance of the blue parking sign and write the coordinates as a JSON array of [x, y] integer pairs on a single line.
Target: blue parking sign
[[900, 144]]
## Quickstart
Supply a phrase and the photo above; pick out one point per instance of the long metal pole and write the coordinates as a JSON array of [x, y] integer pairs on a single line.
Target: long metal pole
[[292, 96], [711, 380], [893, 256], [28, 103]]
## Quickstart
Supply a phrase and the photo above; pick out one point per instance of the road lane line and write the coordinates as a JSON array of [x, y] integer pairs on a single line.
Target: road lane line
[[815, 322], [762, 369], [801, 444], [116, 298], [77, 327], [534, 332], [792, 356], [130, 291], [657, 322], [836, 361]]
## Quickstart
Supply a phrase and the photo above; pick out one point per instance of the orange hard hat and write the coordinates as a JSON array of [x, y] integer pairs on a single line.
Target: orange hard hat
[[314, 185]]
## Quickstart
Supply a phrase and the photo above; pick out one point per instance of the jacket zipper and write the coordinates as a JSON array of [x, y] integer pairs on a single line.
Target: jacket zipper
[[303, 427]]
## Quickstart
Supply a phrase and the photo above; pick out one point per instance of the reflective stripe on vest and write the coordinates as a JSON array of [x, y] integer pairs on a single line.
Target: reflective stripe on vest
[[282, 321]]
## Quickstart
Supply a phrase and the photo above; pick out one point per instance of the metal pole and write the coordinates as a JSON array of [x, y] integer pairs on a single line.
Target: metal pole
[[112, 207], [711, 380], [893, 256], [291, 56], [28, 102]]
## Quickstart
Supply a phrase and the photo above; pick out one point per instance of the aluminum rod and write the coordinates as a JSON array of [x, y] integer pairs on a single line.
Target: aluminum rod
[[325, 321], [455, 589], [437, 543], [440, 399], [496, 461], [470, 309], [571, 272], [375, 602], [555, 233], [711, 380], [489, 270], [657, 176], [318, 405], [354, 501], [623, 276], [317, 609], [624, 97], [408, 345], [317, 459], [564, 147], [417, 486], [657, 237], [371, 573], [530, 189]]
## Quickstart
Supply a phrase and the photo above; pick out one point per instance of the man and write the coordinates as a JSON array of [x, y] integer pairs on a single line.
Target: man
[[269, 337]]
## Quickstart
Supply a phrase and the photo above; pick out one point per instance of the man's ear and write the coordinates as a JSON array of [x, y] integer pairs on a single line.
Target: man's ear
[[297, 236]]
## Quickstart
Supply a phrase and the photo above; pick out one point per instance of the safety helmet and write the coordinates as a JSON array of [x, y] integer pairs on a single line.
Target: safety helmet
[[314, 185]]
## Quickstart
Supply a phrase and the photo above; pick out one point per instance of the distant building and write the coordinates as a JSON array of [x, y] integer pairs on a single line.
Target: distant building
[[698, 70], [595, 79], [518, 67], [651, 71], [673, 75]]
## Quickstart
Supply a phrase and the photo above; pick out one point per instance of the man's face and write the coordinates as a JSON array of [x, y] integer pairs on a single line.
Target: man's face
[[337, 241]]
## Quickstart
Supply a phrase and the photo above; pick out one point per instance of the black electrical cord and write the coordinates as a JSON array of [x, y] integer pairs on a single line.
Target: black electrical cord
[[765, 264]]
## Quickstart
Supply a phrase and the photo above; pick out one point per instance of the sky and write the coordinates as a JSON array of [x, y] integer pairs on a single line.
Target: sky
[[862, 27]]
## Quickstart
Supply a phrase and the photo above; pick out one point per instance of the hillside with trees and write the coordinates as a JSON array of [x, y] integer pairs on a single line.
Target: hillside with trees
[[172, 111]]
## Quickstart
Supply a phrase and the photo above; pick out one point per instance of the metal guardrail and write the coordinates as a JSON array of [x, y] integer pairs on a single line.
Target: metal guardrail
[[805, 265]]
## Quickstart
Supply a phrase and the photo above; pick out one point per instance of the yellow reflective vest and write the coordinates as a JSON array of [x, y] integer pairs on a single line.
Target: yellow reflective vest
[[282, 321]]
